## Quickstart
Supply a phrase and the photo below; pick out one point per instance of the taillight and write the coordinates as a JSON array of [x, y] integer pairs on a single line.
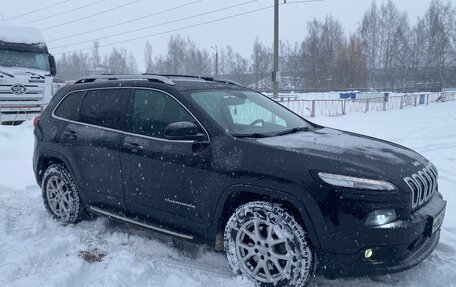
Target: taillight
[[36, 121]]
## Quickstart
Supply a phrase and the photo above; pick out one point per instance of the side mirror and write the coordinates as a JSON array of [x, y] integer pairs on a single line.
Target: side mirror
[[183, 131], [52, 65]]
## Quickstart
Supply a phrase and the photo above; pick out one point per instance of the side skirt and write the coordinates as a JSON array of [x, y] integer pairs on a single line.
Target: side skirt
[[138, 223]]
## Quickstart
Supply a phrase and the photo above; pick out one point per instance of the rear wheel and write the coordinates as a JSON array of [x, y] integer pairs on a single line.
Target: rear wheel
[[61, 196], [265, 243]]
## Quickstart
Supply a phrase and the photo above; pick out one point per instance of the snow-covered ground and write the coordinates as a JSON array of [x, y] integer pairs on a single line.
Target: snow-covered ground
[[36, 251]]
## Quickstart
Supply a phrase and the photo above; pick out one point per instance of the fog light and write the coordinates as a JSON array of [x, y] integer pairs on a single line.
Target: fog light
[[368, 253], [381, 217]]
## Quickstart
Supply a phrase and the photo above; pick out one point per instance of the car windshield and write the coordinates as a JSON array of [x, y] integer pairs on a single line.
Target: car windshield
[[33, 60], [245, 113]]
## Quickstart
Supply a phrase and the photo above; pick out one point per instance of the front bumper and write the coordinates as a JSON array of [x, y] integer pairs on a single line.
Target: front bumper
[[401, 245], [8, 114]]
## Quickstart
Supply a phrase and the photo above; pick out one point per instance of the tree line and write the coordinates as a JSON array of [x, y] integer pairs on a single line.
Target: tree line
[[385, 52]]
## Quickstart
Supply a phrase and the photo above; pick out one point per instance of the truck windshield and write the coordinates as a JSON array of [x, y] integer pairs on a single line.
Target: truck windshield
[[244, 113], [24, 59]]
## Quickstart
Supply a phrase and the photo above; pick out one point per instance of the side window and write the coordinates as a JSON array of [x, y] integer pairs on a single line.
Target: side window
[[69, 107], [104, 107], [153, 111]]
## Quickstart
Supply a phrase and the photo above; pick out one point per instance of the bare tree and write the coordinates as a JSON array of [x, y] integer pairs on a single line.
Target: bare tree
[[351, 66], [117, 62], [132, 66], [148, 57], [439, 27], [320, 51], [261, 64], [384, 33], [96, 54], [370, 36]]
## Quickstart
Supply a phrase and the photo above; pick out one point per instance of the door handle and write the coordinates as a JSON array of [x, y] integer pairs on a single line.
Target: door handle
[[70, 135], [134, 147]]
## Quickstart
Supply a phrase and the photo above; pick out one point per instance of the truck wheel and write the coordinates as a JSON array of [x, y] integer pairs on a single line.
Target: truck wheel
[[61, 196], [265, 243]]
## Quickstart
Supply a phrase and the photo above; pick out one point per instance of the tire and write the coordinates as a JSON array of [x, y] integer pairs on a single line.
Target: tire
[[267, 245], [61, 196]]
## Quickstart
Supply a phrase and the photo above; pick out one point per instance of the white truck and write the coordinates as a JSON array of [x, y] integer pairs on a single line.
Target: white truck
[[26, 74]]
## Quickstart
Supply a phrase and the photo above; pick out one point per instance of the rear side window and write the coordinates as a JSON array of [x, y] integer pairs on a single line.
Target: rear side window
[[69, 107], [104, 107]]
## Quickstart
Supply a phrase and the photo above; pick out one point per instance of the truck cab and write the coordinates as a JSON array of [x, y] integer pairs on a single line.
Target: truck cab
[[26, 74]]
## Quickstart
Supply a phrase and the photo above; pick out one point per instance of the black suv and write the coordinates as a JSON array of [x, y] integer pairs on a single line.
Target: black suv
[[212, 161]]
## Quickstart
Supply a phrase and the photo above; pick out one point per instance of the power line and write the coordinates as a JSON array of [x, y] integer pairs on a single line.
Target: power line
[[173, 30], [126, 22], [64, 12], [156, 25], [38, 10], [92, 15]]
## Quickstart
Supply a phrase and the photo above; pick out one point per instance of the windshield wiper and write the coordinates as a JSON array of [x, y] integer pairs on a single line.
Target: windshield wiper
[[293, 130], [5, 73], [32, 73], [252, 135]]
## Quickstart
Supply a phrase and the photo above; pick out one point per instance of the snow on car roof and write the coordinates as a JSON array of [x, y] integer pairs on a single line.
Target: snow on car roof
[[17, 34]]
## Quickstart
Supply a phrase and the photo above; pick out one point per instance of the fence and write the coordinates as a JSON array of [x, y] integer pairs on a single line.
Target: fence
[[313, 108]]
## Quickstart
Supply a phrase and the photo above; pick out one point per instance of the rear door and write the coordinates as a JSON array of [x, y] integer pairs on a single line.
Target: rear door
[[92, 138], [165, 180]]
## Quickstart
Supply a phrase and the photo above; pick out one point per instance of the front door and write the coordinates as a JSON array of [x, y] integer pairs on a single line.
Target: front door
[[164, 180]]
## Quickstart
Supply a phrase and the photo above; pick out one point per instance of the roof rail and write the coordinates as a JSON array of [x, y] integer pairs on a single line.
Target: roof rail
[[203, 78], [206, 78], [228, 82], [114, 77]]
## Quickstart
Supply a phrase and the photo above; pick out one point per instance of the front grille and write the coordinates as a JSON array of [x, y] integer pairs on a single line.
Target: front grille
[[423, 185], [33, 92]]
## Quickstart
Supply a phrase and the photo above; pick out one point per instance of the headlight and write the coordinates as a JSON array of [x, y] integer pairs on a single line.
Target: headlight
[[355, 182]]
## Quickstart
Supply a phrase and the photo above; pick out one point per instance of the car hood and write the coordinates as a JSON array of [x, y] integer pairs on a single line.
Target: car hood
[[341, 152]]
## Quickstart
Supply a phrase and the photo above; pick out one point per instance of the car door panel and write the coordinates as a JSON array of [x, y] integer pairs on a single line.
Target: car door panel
[[164, 179], [94, 152]]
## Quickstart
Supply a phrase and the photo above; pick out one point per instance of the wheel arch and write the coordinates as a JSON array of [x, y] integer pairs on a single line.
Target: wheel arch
[[238, 195], [45, 160]]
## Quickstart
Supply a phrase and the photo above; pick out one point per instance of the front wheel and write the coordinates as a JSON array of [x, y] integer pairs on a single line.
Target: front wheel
[[265, 243]]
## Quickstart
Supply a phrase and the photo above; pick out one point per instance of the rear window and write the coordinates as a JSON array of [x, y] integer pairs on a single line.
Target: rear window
[[104, 107], [69, 107]]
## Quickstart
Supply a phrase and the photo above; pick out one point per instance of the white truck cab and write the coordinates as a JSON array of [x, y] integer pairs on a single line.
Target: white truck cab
[[26, 74]]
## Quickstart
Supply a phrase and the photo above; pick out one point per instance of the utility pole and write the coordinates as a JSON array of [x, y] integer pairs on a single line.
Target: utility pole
[[216, 60], [276, 51]]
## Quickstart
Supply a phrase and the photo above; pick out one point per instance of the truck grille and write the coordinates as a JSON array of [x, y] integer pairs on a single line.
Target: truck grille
[[32, 93], [423, 185]]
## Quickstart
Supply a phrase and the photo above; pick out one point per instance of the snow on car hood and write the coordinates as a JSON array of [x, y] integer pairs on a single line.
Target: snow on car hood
[[334, 147]]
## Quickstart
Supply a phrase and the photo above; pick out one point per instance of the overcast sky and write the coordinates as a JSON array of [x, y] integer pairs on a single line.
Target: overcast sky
[[239, 32]]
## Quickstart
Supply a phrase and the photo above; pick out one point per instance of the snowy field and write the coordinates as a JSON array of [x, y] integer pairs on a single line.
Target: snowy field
[[36, 251]]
